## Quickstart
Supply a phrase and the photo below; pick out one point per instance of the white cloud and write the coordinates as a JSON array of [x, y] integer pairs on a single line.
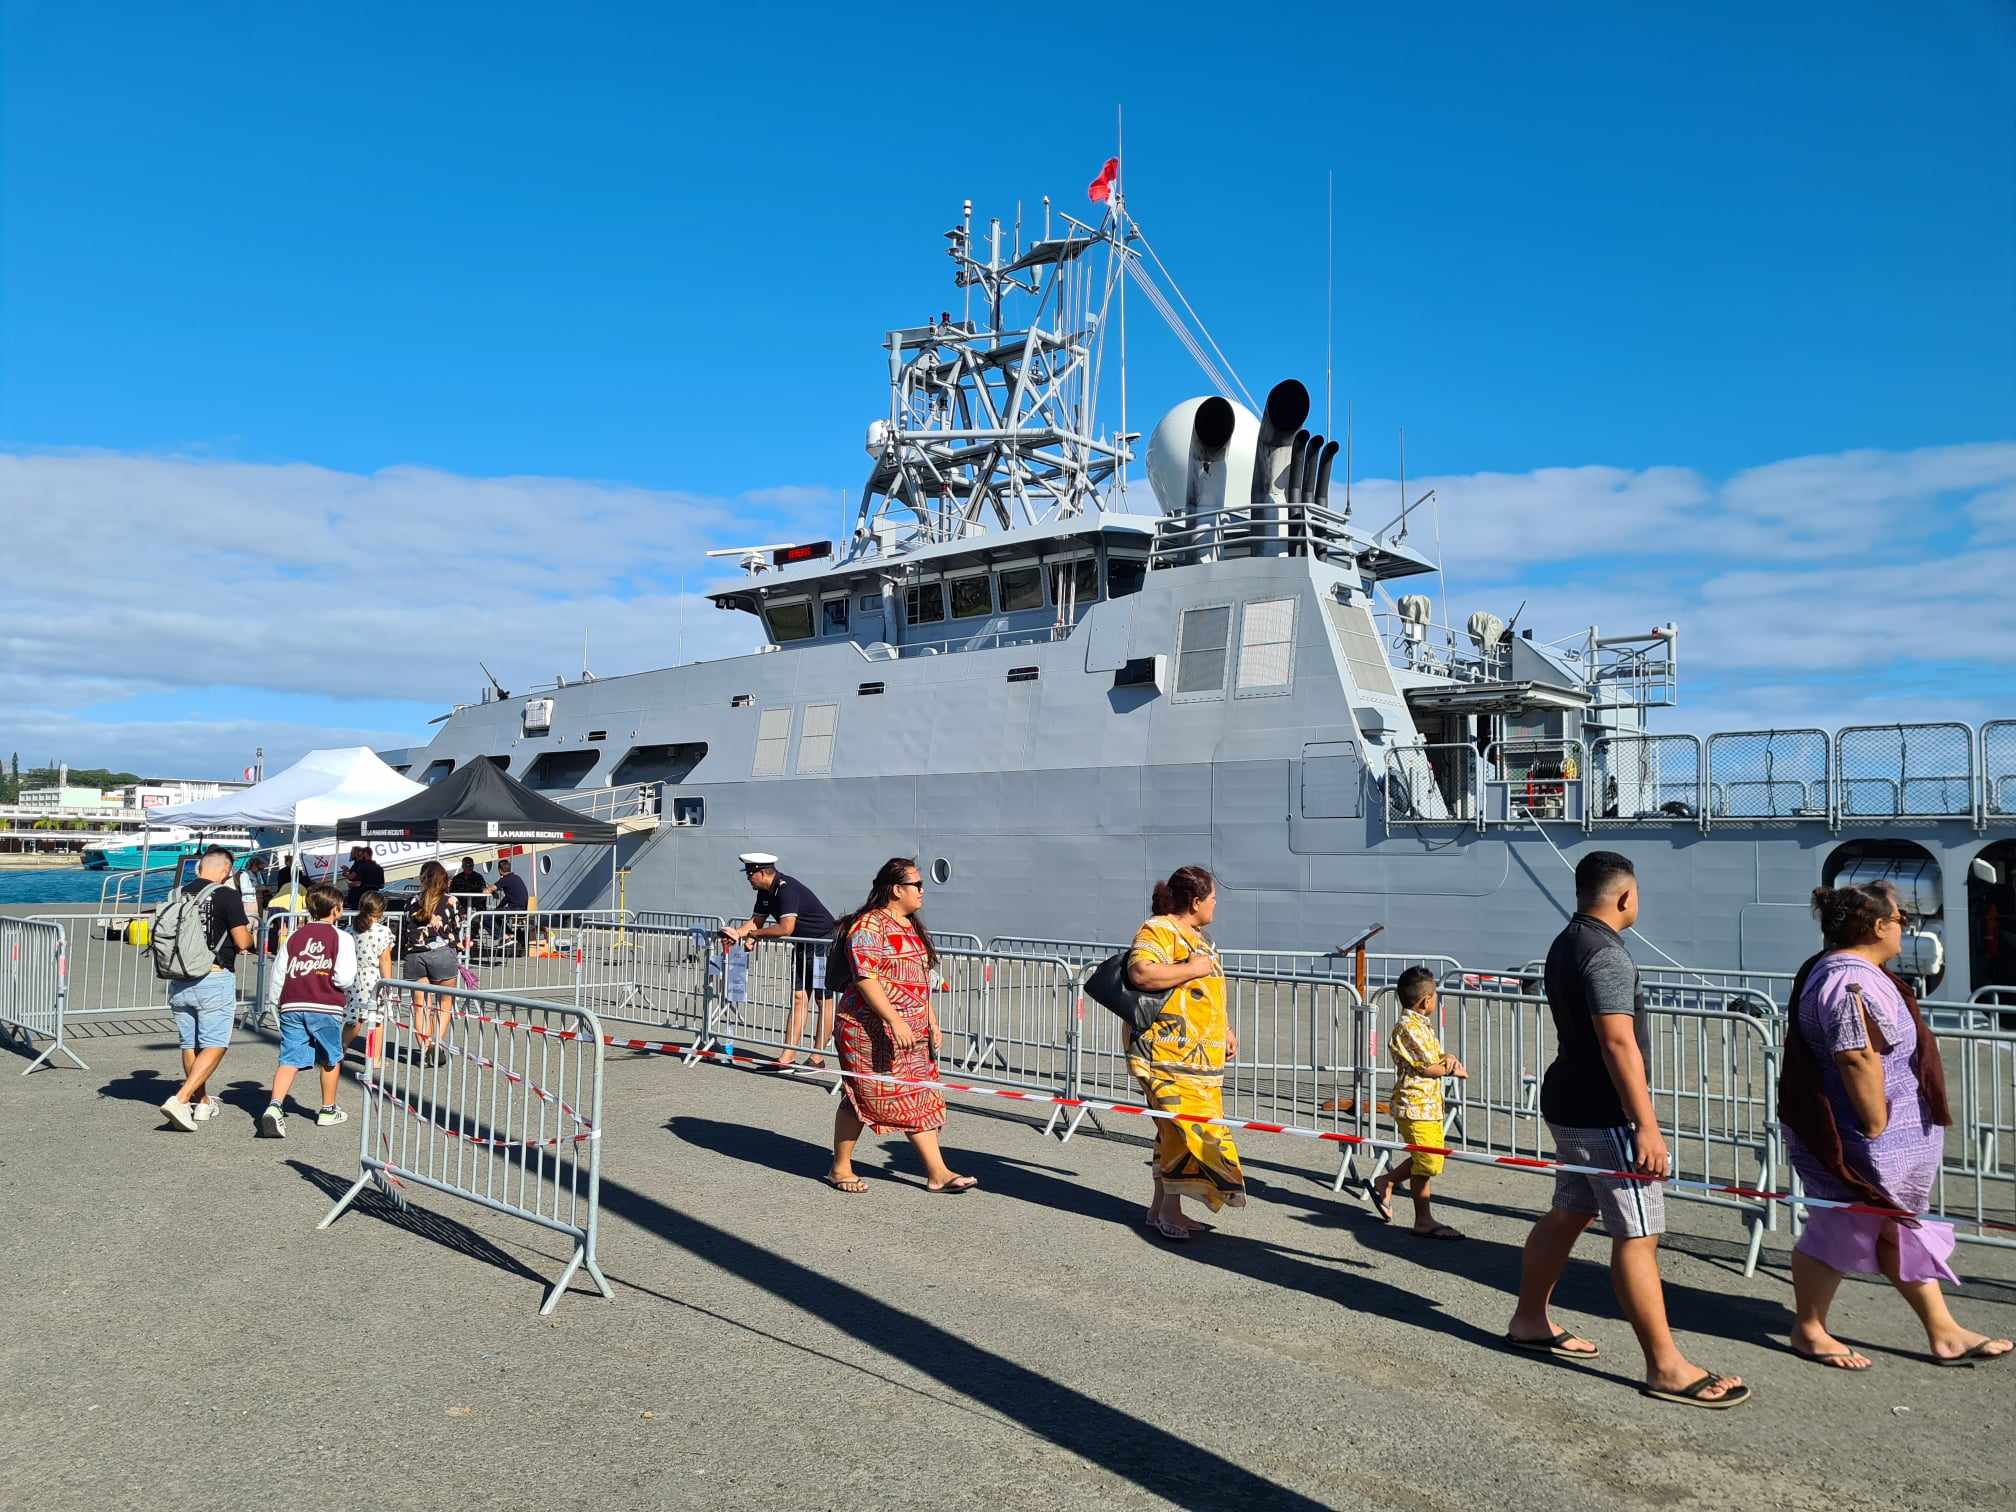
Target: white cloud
[[1801, 587], [173, 571]]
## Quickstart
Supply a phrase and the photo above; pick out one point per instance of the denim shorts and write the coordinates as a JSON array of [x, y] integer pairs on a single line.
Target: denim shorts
[[437, 965], [308, 1039], [204, 1009]]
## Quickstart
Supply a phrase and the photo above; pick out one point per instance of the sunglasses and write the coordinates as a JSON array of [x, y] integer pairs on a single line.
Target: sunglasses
[[916, 882]]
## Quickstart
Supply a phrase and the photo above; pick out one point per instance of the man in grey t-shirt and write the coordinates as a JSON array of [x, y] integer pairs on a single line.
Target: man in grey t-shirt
[[1597, 1100]]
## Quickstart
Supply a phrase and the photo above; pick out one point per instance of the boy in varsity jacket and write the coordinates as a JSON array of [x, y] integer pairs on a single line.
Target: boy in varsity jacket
[[306, 983]]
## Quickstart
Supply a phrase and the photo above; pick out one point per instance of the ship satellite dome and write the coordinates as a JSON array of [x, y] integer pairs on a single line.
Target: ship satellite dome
[[878, 437], [1197, 449]]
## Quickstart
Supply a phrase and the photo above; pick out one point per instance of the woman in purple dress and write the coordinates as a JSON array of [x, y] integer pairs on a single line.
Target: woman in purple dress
[[1862, 1096]]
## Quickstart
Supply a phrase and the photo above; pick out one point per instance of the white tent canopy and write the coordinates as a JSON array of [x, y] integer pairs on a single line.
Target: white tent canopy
[[315, 793]]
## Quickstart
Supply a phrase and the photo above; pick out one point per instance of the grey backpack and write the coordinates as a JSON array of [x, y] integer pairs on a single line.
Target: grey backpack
[[181, 939]]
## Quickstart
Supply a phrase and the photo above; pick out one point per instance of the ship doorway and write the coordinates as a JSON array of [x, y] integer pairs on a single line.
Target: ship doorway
[[1991, 919], [1913, 871]]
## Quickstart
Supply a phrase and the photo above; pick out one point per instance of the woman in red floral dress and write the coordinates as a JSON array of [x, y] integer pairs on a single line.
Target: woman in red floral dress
[[886, 1026]]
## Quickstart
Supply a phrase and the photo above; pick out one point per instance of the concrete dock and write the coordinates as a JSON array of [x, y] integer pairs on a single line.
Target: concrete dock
[[179, 1332]]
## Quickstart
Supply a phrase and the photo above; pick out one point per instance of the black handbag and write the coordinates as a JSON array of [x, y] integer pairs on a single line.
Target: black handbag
[[1109, 988]]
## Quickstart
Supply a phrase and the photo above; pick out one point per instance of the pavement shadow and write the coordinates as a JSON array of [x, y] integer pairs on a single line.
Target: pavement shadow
[[1584, 1286], [1333, 1278], [420, 1221], [1156, 1460]]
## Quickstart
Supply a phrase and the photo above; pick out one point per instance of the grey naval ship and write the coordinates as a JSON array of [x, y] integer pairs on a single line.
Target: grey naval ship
[[1052, 686]]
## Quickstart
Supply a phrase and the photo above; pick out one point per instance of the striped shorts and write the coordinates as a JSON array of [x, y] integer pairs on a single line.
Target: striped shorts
[[1629, 1209]]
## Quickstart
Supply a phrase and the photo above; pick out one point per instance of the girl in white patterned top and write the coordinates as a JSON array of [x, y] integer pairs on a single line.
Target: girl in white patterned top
[[374, 957]]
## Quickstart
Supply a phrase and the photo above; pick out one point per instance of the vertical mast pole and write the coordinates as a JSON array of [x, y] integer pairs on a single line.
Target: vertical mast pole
[[1330, 308]]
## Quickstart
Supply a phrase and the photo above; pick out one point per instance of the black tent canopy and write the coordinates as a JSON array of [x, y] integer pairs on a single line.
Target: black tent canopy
[[479, 804]]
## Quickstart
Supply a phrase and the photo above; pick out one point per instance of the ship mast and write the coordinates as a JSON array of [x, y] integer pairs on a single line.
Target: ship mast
[[992, 426]]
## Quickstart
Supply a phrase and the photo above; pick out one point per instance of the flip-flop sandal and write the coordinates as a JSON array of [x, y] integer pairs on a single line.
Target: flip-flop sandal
[[1556, 1346], [954, 1187], [1827, 1357], [1175, 1233], [853, 1186], [1440, 1231], [1383, 1206], [1980, 1354], [1690, 1394]]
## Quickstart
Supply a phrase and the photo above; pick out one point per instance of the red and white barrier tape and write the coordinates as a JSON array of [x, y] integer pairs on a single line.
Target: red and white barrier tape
[[380, 1090], [1472, 1157], [515, 1078]]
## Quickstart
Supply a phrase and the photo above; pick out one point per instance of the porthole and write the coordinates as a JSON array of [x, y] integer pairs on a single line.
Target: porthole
[[545, 865], [941, 871]]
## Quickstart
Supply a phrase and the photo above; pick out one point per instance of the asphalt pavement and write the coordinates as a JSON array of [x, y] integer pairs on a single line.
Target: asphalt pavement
[[179, 1333]]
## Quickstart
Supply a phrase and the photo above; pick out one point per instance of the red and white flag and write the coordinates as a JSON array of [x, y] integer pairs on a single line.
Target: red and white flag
[[1101, 189]]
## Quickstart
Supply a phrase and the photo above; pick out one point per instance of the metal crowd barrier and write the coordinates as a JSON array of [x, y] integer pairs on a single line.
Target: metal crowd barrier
[[1299, 1057], [34, 976], [653, 973], [1977, 1178], [110, 977], [504, 1110], [1382, 966]]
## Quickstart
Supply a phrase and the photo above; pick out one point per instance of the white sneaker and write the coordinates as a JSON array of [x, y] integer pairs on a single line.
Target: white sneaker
[[208, 1109], [330, 1116], [272, 1123], [180, 1115]]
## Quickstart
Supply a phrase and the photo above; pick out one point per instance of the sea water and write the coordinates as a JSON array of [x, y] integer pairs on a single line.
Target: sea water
[[72, 884]]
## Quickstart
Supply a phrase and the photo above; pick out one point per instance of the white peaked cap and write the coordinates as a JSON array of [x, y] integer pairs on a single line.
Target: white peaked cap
[[757, 858]]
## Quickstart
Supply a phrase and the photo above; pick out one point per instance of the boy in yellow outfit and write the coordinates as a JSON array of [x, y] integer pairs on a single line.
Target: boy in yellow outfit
[[1420, 1062]]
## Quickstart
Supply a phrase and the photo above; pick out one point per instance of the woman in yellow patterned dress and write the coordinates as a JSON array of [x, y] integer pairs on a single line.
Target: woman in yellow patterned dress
[[1179, 1060]]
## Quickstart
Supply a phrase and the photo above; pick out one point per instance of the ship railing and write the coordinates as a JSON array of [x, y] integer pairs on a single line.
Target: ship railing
[[629, 800], [1998, 769], [1905, 771], [1433, 784], [1426, 646], [986, 638], [1535, 780], [1646, 779], [1272, 529], [1769, 776]]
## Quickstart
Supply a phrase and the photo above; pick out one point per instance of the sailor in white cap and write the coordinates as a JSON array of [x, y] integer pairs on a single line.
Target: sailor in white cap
[[786, 909]]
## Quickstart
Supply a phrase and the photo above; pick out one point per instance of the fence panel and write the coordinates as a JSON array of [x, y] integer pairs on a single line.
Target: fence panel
[[1910, 771], [751, 995], [111, 975], [1769, 774], [499, 1103], [1432, 784], [1646, 779], [34, 972], [1998, 768], [1976, 1191], [655, 974]]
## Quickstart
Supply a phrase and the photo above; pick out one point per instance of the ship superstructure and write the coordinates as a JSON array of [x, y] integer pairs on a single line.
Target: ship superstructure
[[1052, 685]]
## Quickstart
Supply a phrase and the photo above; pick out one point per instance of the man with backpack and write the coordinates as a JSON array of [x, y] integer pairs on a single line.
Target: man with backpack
[[196, 939]]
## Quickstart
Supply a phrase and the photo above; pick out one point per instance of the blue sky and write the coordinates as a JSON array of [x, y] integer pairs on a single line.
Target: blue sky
[[258, 260]]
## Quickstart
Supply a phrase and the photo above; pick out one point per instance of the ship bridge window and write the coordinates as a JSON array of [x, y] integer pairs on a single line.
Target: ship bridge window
[[924, 603], [833, 616], [1021, 588], [1076, 578], [557, 770], [789, 620], [659, 763], [972, 595], [1125, 574]]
